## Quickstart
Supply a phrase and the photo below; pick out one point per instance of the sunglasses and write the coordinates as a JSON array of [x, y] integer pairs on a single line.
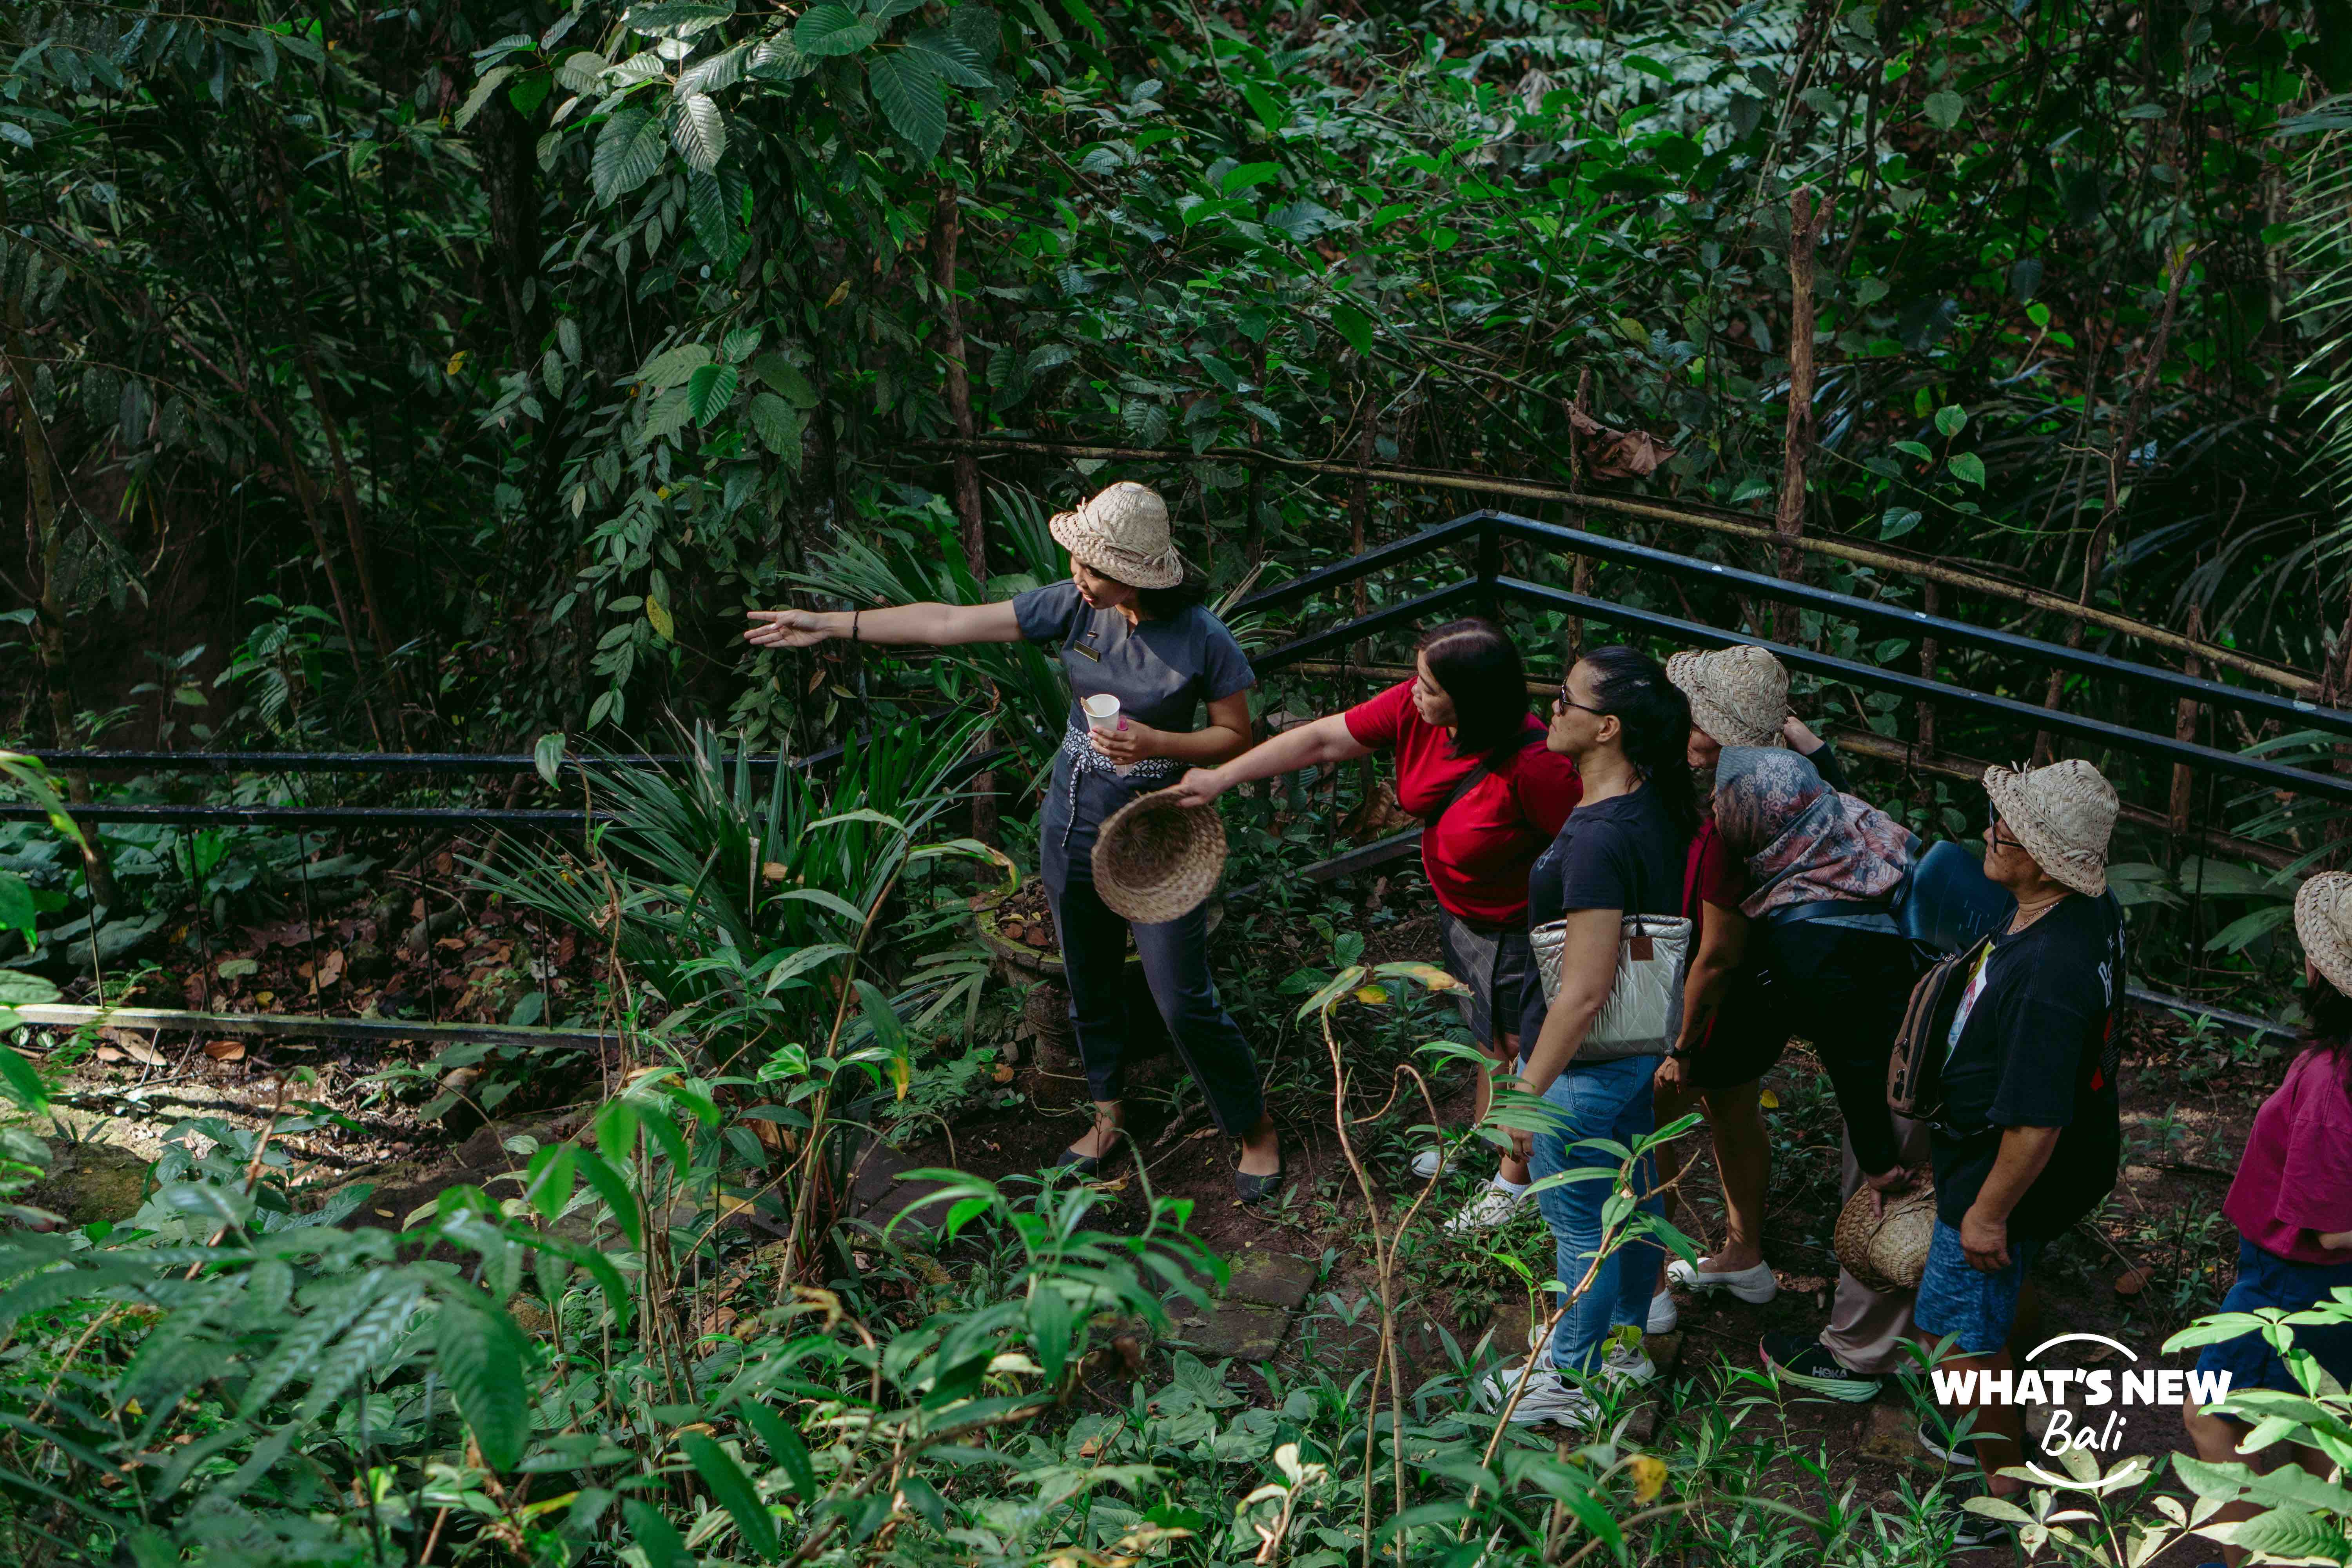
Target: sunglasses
[[1563, 702]]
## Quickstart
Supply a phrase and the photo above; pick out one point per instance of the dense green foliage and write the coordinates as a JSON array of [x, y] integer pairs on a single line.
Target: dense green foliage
[[453, 376]]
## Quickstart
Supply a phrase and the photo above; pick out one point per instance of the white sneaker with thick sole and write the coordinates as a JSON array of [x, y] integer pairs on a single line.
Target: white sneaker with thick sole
[[1549, 1397], [1493, 1205], [1664, 1314], [1425, 1164], [1957, 1454], [1626, 1365], [1754, 1286]]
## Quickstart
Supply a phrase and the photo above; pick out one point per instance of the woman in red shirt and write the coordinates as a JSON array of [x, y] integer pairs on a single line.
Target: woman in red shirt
[[1471, 762]]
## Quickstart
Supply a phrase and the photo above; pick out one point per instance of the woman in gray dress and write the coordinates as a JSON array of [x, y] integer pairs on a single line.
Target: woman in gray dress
[[1125, 626]]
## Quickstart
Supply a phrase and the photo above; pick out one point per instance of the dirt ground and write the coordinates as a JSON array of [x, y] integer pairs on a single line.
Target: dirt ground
[[2155, 1258]]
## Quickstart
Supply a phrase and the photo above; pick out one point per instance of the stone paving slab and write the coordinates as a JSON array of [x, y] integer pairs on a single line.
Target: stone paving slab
[[1247, 1331]]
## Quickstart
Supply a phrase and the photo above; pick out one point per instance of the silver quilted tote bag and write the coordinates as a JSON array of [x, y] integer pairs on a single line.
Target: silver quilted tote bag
[[1644, 1009]]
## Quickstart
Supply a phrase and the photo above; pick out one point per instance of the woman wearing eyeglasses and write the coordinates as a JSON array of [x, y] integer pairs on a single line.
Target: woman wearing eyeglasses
[[1619, 853]]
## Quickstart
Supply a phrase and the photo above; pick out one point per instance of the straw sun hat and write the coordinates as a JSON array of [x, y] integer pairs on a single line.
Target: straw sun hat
[[1122, 533], [2322, 923], [2063, 813], [1739, 696], [1890, 1252], [1155, 860]]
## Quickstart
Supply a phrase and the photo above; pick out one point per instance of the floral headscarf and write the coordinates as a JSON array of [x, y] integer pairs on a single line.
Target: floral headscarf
[[1803, 842]]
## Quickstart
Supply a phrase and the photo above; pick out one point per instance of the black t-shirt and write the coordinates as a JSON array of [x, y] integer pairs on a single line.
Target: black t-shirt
[[1622, 854], [2038, 1048]]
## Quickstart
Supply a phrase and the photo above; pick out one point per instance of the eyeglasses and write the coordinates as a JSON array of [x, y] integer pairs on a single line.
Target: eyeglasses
[[2000, 840], [1563, 702]]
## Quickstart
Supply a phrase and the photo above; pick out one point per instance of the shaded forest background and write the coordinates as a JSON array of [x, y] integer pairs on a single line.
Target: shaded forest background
[[440, 377]]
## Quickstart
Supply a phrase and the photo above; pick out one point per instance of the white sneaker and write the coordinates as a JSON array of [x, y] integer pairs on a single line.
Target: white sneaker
[[1755, 1286], [1548, 1397], [1664, 1314], [1626, 1365], [1426, 1163], [1496, 1204]]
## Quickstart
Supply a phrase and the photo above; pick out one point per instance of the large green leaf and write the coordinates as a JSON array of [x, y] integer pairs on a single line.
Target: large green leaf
[[672, 366], [488, 84], [912, 98], [699, 130], [831, 29], [678, 19], [710, 390], [785, 377], [951, 56], [735, 1493], [778, 425], [667, 415], [628, 153], [481, 1355]]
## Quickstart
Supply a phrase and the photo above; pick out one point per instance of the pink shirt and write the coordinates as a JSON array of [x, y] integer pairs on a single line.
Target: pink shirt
[[2294, 1183]]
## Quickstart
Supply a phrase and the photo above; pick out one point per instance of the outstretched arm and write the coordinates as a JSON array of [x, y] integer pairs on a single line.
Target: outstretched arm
[[1326, 740], [928, 622]]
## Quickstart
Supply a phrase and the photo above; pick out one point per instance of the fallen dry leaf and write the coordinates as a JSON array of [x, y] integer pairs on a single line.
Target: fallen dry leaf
[[2132, 1281], [1003, 1075], [107, 1054], [330, 972], [225, 1050]]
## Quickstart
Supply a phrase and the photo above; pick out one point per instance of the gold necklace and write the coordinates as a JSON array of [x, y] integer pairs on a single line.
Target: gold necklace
[[2028, 913]]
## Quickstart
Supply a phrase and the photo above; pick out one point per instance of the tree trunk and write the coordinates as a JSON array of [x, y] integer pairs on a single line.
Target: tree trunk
[[1805, 224], [503, 142], [1926, 709], [346, 491], [2184, 729], [947, 230], [45, 540], [2120, 451]]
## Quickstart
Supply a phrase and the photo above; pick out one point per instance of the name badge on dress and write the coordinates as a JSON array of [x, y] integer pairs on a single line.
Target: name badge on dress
[[1079, 644]]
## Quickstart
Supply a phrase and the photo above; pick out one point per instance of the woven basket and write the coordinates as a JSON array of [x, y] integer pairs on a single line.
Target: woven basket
[[1889, 1253], [1155, 860]]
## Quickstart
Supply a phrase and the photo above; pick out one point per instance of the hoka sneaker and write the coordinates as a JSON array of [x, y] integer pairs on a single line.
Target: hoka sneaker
[[1807, 1363]]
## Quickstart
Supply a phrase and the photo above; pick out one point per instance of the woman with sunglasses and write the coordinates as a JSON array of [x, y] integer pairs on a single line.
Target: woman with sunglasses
[[1619, 853], [1470, 763]]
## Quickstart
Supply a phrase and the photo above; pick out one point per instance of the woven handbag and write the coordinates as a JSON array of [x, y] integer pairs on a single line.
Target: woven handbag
[[1643, 1012]]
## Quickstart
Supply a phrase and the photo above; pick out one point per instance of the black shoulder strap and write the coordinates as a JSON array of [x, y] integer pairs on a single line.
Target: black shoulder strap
[[1463, 787]]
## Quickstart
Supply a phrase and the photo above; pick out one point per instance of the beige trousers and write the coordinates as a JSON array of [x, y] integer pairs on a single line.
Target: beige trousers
[[1868, 1328]]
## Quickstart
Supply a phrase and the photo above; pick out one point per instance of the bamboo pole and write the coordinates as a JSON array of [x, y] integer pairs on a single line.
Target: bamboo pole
[[2293, 680]]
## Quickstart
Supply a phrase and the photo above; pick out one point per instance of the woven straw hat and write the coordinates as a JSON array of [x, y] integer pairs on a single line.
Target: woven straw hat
[[1155, 860], [1739, 696], [2322, 923], [1122, 533], [2064, 814], [1889, 1253]]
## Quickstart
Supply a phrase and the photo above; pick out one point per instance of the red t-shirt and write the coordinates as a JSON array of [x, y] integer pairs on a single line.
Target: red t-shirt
[[1712, 874], [2295, 1182], [1478, 858]]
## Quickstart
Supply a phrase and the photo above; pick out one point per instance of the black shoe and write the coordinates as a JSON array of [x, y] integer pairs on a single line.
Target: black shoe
[[1972, 1532], [1087, 1166], [1807, 1362], [1259, 1189]]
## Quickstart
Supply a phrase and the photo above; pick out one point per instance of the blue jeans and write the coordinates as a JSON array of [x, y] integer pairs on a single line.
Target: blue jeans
[[1605, 1099], [2266, 1279], [1956, 1298]]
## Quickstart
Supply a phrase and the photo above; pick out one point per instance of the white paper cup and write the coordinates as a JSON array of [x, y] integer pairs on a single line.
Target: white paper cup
[[1102, 712]]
